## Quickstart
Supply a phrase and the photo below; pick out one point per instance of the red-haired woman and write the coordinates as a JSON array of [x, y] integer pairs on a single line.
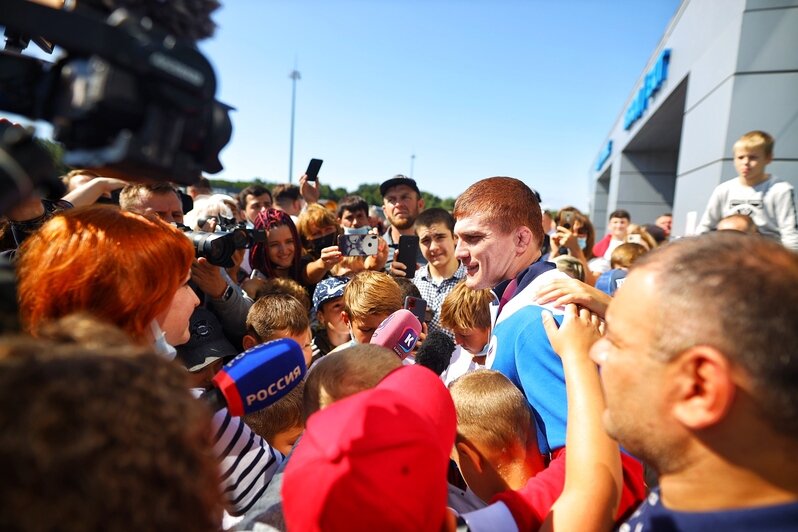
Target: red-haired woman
[[133, 271], [121, 267]]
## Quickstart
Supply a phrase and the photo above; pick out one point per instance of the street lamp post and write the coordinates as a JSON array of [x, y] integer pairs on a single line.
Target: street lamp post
[[294, 75]]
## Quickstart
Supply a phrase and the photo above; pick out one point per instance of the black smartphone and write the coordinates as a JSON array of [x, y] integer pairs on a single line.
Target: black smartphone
[[322, 242], [407, 253], [313, 169], [418, 307]]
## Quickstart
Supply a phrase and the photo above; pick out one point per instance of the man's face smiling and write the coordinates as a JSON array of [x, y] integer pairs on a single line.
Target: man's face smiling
[[487, 254], [402, 205]]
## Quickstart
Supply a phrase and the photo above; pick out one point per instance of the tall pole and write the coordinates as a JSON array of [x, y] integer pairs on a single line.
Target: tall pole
[[412, 162], [294, 75]]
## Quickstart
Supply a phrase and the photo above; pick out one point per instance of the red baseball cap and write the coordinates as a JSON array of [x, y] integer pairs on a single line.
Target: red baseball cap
[[376, 460]]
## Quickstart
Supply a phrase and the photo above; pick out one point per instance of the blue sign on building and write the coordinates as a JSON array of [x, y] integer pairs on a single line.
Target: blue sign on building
[[604, 155], [651, 84]]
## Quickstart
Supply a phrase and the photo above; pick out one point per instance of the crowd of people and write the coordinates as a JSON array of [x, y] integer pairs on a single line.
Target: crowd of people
[[128, 312]]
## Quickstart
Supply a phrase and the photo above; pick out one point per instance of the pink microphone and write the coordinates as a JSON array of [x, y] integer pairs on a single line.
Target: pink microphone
[[398, 332]]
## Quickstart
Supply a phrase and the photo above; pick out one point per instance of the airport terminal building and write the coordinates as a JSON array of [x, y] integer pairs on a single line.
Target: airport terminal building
[[723, 68]]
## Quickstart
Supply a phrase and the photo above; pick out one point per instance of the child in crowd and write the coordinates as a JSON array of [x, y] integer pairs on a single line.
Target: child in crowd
[[280, 423], [466, 313], [328, 303], [258, 288], [369, 298], [435, 230], [278, 316], [767, 199], [496, 447], [618, 227], [571, 266], [622, 259], [345, 373]]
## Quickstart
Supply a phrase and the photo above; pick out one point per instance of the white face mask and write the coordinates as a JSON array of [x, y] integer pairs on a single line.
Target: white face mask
[[161, 346]]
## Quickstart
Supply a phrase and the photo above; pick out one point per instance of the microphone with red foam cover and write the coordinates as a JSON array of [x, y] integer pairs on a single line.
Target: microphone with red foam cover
[[398, 332], [257, 377]]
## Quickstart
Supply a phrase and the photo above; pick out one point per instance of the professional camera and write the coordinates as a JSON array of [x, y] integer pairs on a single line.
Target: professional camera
[[218, 247], [126, 99]]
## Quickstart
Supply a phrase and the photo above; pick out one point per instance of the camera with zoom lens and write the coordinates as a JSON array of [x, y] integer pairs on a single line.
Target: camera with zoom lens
[[218, 247], [126, 99]]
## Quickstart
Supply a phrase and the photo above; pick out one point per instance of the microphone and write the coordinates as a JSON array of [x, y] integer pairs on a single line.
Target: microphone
[[398, 332], [257, 377], [436, 352]]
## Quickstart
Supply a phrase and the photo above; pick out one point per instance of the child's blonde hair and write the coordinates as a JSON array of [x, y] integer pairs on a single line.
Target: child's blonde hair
[[370, 293], [756, 139], [492, 411], [624, 255], [465, 308]]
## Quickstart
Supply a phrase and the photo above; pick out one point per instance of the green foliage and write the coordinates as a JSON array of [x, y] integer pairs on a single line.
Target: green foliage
[[368, 191]]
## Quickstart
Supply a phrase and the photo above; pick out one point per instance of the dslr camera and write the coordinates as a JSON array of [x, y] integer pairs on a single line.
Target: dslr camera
[[218, 247]]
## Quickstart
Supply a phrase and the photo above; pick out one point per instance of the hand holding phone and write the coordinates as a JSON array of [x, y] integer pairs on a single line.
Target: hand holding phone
[[358, 245], [313, 169]]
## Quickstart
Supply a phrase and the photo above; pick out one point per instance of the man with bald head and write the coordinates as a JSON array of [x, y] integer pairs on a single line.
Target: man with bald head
[[699, 366]]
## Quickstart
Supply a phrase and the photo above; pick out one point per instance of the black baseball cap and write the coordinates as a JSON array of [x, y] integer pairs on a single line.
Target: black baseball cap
[[397, 180]]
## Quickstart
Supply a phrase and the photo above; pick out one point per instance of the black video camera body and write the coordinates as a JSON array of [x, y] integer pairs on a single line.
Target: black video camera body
[[126, 99], [218, 247]]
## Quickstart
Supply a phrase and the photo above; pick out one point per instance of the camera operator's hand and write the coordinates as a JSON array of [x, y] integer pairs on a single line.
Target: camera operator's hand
[[310, 190], [208, 278], [238, 258], [210, 225], [88, 193], [377, 262]]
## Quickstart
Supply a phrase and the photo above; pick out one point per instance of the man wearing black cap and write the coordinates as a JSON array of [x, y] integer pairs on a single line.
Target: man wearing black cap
[[402, 202]]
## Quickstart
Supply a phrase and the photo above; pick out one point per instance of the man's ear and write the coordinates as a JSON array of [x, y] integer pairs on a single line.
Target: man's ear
[[523, 238], [345, 317], [249, 341], [702, 388], [468, 452]]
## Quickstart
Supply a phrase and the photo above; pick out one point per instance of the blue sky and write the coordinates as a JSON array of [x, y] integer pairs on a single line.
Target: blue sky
[[473, 88]]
